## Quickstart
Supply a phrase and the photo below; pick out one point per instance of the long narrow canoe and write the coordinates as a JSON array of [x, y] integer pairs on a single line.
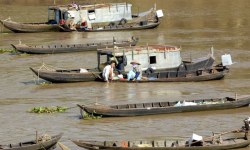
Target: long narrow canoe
[[68, 48], [33, 145], [149, 25], [153, 108], [224, 144], [75, 75], [29, 27]]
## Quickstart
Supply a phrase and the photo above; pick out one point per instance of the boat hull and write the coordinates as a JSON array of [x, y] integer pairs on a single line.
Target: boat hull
[[53, 49], [65, 76], [31, 145], [161, 108], [125, 27], [160, 145], [29, 27]]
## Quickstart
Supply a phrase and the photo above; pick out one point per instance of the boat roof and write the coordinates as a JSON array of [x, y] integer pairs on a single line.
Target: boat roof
[[86, 7], [151, 48]]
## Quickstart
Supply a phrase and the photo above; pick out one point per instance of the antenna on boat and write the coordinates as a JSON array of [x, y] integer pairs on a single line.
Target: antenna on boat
[[190, 57], [36, 136], [96, 101], [212, 51], [148, 54], [113, 43]]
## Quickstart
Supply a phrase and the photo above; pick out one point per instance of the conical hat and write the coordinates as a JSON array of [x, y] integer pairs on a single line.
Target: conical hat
[[135, 62]]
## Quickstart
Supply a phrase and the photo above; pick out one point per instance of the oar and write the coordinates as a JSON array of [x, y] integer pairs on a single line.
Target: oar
[[63, 147]]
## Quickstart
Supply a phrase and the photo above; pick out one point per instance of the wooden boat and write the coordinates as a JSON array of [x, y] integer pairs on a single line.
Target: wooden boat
[[65, 76], [153, 108], [34, 145], [168, 70], [230, 143], [75, 75], [108, 17], [234, 139], [138, 26], [29, 27], [63, 48]]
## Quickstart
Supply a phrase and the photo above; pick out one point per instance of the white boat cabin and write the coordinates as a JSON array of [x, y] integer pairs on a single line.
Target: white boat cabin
[[81, 14], [151, 56]]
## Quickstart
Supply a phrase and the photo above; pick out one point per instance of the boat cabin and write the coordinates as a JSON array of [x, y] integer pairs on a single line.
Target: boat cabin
[[83, 14], [151, 56]]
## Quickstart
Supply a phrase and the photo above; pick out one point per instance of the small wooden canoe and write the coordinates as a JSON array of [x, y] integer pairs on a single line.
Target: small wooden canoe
[[29, 27], [65, 76], [149, 25], [153, 108], [33, 145], [75, 75], [225, 144], [63, 48]]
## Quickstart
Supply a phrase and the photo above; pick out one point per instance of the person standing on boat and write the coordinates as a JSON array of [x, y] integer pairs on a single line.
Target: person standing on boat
[[108, 71], [135, 73]]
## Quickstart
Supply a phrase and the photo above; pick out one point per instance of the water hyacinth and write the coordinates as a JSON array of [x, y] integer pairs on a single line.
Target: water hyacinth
[[52, 109], [88, 116], [4, 50]]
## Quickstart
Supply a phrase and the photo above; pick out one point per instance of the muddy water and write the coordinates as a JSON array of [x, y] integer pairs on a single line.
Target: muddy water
[[195, 25]]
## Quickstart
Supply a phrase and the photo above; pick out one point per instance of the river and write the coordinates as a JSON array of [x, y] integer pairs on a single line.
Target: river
[[195, 25]]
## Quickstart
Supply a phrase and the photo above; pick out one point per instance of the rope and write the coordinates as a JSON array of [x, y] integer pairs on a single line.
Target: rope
[[44, 67]]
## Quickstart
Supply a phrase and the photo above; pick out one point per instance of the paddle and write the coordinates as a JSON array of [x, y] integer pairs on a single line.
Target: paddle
[[63, 147]]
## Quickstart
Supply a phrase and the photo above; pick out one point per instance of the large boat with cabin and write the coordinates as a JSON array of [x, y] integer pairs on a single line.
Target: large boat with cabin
[[158, 63], [88, 17]]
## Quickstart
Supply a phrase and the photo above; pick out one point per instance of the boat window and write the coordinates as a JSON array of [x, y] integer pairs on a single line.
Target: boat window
[[121, 62], [91, 14], [152, 59], [52, 17]]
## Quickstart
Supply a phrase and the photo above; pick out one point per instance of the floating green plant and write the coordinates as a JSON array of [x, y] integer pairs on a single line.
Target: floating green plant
[[4, 50], [88, 116], [52, 109]]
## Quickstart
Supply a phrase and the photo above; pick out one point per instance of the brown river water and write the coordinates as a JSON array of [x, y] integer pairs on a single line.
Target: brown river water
[[195, 25]]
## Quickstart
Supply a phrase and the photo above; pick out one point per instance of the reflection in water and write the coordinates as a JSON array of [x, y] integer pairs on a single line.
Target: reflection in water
[[195, 25]]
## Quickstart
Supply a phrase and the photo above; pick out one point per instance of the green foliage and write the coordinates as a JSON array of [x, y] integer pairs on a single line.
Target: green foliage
[[52, 109], [4, 50], [88, 116]]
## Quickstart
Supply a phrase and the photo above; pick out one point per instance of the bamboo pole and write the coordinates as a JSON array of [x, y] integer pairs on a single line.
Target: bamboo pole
[[36, 136]]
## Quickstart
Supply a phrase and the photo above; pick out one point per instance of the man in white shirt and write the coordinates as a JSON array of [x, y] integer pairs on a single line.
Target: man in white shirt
[[108, 71]]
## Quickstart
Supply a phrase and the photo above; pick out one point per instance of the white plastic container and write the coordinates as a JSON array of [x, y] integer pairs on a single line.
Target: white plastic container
[[159, 13], [226, 60]]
